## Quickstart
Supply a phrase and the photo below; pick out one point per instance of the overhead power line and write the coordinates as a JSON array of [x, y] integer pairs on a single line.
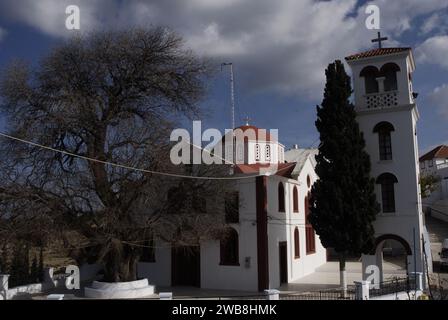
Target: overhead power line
[[173, 175]]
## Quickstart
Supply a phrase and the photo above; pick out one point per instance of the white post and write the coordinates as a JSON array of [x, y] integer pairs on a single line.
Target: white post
[[48, 278], [380, 81], [55, 297], [4, 280], [165, 295], [362, 290], [417, 277], [272, 294]]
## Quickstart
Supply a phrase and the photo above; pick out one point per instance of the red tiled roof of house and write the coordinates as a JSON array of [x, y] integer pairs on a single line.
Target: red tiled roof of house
[[438, 152], [375, 52], [283, 169]]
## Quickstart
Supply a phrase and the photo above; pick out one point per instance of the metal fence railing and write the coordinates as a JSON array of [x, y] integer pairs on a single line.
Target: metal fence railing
[[327, 294], [393, 286]]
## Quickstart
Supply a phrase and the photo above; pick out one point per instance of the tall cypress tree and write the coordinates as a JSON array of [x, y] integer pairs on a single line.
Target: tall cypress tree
[[343, 203]]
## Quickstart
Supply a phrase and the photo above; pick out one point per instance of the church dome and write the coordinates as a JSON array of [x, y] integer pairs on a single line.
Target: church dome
[[260, 134]]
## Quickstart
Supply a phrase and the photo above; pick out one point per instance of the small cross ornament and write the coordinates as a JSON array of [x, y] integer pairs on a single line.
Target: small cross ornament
[[379, 40]]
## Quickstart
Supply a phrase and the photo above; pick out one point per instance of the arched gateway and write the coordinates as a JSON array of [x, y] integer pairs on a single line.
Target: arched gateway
[[390, 248]]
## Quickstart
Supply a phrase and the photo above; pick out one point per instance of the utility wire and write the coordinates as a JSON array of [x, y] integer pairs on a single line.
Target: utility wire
[[133, 168]]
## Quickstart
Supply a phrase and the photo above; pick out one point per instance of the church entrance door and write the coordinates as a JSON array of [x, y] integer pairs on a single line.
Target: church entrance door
[[282, 252]]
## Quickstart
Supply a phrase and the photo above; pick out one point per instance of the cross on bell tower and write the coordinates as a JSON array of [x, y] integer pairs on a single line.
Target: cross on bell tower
[[379, 40]]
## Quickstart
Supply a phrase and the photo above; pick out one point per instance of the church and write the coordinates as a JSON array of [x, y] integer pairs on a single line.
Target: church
[[269, 242]]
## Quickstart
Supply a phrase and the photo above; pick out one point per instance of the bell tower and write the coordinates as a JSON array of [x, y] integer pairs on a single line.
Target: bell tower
[[387, 115]]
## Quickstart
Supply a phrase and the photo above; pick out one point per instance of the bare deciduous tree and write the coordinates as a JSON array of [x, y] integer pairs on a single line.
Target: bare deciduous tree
[[113, 97]]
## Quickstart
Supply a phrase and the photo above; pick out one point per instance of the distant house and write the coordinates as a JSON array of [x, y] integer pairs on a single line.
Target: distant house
[[435, 162]]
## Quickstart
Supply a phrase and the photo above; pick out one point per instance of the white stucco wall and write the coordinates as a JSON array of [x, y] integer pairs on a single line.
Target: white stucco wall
[[158, 272], [244, 277], [284, 230], [307, 263], [404, 165]]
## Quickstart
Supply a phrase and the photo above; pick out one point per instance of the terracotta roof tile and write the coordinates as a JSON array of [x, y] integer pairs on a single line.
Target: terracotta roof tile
[[375, 52], [283, 169]]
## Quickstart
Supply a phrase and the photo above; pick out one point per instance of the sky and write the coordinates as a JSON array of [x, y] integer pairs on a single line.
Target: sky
[[279, 48]]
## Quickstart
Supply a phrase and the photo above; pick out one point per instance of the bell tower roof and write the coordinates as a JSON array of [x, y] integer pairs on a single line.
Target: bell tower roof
[[382, 78], [376, 52]]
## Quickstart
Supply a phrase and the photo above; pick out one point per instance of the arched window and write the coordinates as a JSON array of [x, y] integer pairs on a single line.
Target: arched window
[[295, 199], [384, 130], [308, 181], [257, 152], [309, 230], [389, 71], [307, 208], [281, 197], [296, 243], [370, 73], [387, 181], [229, 248], [268, 152]]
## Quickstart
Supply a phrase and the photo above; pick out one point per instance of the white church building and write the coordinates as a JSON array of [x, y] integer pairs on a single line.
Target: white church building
[[269, 240], [387, 114]]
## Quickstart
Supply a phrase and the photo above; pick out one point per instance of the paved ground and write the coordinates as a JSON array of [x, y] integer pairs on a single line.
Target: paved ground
[[327, 276]]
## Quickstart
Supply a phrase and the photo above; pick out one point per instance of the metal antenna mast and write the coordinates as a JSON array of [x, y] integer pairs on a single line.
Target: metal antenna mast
[[232, 90]]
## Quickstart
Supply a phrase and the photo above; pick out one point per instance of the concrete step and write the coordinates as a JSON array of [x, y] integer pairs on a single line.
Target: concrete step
[[437, 229]]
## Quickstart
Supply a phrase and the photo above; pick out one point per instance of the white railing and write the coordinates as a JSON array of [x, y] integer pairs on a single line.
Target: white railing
[[381, 100]]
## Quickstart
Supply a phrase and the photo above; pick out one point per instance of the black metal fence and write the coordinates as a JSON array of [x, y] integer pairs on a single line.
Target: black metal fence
[[393, 286], [327, 294]]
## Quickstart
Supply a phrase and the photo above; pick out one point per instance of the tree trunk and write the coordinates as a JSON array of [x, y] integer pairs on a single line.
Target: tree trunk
[[342, 272], [120, 264]]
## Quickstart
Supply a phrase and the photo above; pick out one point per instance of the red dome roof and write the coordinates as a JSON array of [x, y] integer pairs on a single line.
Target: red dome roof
[[260, 134]]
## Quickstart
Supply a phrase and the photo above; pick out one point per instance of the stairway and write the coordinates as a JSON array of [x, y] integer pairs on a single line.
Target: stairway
[[438, 231]]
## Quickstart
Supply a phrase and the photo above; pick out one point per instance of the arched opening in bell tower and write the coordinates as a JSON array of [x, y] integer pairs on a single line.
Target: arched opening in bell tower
[[389, 72], [370, 73]]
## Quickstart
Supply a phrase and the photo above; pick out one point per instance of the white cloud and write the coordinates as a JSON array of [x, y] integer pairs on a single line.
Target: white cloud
[[49, 16], [275, 45], [433, 50], [434, 22], [439, 97]]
